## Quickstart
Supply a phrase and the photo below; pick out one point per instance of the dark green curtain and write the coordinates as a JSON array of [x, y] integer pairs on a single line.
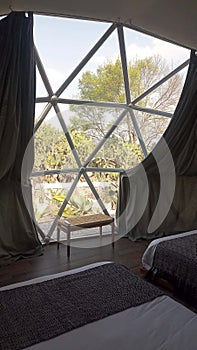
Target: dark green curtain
[[136, 204], [18, 235]]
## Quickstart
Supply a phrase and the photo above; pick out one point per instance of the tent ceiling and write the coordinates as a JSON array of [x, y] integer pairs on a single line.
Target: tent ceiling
[[173, 20]]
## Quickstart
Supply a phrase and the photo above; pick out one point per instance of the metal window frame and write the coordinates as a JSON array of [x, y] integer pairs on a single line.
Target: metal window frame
[[53, 99]]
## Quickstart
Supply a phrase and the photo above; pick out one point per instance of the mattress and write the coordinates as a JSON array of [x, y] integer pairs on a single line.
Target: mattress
[[175, 261], [161, 324], [148, 256]]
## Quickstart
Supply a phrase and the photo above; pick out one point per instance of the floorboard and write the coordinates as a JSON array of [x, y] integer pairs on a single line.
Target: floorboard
[[53, 261]]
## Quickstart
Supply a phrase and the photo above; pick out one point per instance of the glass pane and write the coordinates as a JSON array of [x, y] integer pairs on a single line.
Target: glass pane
[[88, 127], [121, 149], [52, 150], [40, 87], [48, 194], [62, 43], [152, 128], [166, 96], [101, 79], [150, 60], [141, 46]]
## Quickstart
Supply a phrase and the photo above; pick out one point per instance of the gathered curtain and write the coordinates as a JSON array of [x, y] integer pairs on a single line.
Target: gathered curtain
[[159, 196], [18, 234]]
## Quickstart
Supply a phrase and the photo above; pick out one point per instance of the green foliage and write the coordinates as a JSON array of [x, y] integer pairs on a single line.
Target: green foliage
[[106, 84], [143, 74], [44, 143], [82, 203], [117, 154], [52, 150], [78, 205]]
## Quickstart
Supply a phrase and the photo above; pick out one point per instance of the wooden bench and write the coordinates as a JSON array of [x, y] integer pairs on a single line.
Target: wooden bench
[[83, 222]]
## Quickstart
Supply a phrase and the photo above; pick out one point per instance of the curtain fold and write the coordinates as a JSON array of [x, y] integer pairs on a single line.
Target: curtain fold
[[159, 196], [18, 235]]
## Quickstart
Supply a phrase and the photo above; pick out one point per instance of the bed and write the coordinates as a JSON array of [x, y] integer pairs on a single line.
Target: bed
[[174, 258], [155, 322]]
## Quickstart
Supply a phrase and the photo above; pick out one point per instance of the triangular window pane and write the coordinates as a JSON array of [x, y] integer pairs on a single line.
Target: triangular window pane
[[150, 60], [101, 79], [166, 96], [151, 127], [121, 149], [52, 150], [62, 44], [40, 87], [48, 197]]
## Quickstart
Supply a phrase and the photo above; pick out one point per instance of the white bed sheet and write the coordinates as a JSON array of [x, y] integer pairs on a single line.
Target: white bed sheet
[[162, 324], [148, 256]]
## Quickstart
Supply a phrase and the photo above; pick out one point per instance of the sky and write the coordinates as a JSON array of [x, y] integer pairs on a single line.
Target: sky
[[62, 43]]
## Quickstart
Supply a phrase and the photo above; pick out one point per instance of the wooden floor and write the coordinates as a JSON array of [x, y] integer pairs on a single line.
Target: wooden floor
[[54, 261]]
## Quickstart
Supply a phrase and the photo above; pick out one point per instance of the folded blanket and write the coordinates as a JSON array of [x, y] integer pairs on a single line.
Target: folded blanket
[[176, 261], [38, 312]]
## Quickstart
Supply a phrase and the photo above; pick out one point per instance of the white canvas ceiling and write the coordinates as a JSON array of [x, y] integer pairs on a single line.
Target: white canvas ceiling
[[173, 20]]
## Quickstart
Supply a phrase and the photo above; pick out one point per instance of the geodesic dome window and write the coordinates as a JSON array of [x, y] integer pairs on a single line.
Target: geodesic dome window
[[105, 95]]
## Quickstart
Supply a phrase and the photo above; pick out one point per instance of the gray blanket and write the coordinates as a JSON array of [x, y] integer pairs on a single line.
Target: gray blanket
[[176, 261], [38, 312]]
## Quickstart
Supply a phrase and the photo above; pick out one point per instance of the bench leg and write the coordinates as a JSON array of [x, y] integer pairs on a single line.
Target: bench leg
[[100, 231], [58, 237], [113, 234], [68, 243]]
